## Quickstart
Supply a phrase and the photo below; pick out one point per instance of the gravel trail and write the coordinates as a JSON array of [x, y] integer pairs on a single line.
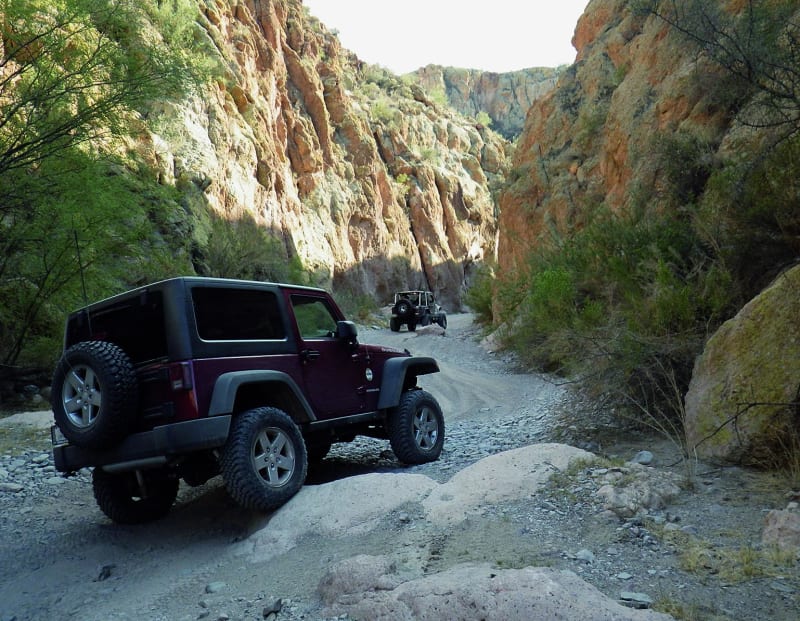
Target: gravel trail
[[60, 558]]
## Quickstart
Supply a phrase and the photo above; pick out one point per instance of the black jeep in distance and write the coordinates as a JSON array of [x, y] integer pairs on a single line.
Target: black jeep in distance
[[415, 308], [189, 378]]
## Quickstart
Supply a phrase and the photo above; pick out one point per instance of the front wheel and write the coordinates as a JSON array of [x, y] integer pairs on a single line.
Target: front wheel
[[134, 497], [416, 428], [443, 322], [264, 462]]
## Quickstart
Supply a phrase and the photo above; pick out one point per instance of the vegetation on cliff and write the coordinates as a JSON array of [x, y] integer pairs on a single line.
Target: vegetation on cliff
[[659, 201], [78, 211]]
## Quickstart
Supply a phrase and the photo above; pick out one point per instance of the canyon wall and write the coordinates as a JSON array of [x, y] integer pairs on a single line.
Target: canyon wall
[[590, 141], [367, 181], [505, 97]]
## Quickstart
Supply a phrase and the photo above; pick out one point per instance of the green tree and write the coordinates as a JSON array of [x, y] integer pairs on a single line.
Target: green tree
[[71, 71], [73, 76]]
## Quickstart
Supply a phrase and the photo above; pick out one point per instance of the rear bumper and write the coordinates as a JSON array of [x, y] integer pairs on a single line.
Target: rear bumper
[[148, 447]]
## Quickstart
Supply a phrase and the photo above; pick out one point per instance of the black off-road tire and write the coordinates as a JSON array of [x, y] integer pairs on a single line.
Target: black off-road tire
[[412, 325], [94, 394], [416, 428], [126, 500], [425, 320], [394, 324], [443, 321], [264, 462]]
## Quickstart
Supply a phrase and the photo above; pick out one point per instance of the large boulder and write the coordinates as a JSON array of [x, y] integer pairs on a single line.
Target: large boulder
[[370, 588], [782, 529], [742, 399]]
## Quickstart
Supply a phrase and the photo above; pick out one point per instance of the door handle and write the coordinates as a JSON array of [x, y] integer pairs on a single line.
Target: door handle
[[310, 354]]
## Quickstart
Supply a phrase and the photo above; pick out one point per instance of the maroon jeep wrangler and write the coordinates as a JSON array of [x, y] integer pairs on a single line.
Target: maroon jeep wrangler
[[193, 377]]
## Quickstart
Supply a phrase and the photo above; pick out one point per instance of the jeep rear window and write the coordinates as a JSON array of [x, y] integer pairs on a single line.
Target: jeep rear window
[[225, 314], [136, 325]]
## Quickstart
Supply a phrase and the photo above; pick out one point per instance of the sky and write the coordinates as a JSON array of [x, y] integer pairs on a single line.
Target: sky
[[492, 35]]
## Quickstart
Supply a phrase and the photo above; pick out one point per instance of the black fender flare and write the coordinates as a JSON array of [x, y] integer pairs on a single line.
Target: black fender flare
[[228, 385], [394, 375]]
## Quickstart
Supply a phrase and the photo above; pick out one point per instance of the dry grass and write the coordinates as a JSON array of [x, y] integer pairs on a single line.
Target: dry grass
[[21, 438]]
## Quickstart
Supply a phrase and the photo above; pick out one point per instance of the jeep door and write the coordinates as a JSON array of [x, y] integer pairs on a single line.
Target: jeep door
[[333, 371]]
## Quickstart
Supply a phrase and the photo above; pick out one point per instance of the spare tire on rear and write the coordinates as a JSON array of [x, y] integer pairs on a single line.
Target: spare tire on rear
[[403, 307], [94, 394]]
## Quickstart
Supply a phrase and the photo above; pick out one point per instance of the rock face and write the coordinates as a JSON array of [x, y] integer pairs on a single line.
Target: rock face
[[741, 403], [371, 188], [588, 141], [505, 97]]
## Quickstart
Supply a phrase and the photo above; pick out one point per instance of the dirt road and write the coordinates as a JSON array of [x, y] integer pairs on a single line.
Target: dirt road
[[61, 558]]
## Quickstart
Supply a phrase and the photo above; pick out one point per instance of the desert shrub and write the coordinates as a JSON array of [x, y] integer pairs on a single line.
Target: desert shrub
[[483, 118], [383, 110], [615, 304], [244, 249], [356, 305], [439, 96], [749, 215], [480, 294], [686, 161]]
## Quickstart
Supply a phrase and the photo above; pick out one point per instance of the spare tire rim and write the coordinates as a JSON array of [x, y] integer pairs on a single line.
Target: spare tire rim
[[273, 456], [81, 396]]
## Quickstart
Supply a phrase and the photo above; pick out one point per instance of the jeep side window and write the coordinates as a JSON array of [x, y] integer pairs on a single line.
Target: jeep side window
[[225, 314], [314, 318]]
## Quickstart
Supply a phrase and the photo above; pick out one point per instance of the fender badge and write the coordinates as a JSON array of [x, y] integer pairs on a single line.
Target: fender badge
[[369, 375]]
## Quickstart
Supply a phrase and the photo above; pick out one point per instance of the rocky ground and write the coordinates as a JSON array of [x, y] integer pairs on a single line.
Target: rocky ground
[[367, 538]]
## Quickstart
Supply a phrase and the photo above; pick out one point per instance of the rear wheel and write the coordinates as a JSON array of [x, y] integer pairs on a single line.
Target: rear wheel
[[416, 428], [94, 395], [134, 497], [264, 462]]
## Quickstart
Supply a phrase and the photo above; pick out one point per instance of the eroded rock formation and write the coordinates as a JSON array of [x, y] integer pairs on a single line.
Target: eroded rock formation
[[505, 97], [590, 141], [372, 188]]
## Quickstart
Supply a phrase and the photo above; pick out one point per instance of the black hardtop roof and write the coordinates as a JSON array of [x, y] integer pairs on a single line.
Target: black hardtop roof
[[196, 281]]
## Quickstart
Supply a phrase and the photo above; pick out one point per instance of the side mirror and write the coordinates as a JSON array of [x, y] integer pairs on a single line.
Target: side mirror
[[346, 331]]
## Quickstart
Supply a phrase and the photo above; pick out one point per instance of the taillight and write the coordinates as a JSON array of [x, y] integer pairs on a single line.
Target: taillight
[[180, 376]]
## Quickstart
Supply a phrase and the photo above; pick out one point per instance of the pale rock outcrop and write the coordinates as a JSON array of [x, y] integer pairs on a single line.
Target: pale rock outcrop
[[636, 489], [366, 588], [782, 529], [337, 509], [498, 478], [742, 399]]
